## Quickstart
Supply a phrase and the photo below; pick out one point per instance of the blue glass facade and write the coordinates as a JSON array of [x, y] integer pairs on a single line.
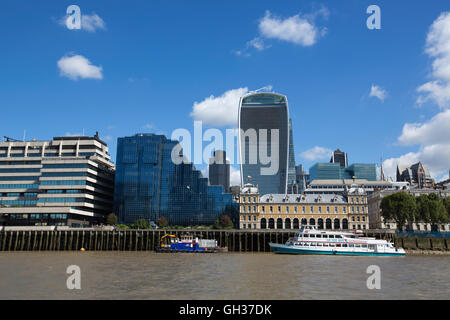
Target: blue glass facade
[[148, 185], [333, 171]]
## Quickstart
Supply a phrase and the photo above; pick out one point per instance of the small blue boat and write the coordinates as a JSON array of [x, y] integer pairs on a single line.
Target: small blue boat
[[187, 243]]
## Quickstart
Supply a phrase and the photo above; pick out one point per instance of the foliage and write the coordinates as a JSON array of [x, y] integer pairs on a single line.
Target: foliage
[[141, 224], [224, 222], [400, 207], [122, 226], [111, 219], [162, 222]]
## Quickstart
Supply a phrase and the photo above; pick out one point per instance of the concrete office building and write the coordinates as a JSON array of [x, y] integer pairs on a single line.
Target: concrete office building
[[67, 181], [219, 170], [260, 114]]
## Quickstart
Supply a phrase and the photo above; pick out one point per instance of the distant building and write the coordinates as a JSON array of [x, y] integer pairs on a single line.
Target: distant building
[[260, 114], [417, 175], [339, 186], [292, 186], [219, 170], [149, 185], [290, 211], [67, 181], [302, 178], [378, 222], [340, 157], [327, 171]]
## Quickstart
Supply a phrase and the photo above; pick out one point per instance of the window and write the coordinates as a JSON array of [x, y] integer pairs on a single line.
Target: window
[[271, 209], [295, 209], [335, 209], [287, 209], [311, 209], [344, 209], [263, 209], [303, 209], [279, 209], [243, 199], [254, 208], [249, 199], [328, 209], [254, 199]]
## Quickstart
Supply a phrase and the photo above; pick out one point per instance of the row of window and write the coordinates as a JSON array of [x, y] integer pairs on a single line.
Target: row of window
[[248, 209], [35, 216]]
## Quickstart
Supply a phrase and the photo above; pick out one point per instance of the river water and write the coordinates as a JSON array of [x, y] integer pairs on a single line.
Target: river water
[[229, 276]]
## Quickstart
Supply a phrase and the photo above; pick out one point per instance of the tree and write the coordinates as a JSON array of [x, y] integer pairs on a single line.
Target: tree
[[438, 213], [111, 219], [225, 222], [122, 226], [446, 202], [400, 206], [423, 208], [162, 222], [141, 224]]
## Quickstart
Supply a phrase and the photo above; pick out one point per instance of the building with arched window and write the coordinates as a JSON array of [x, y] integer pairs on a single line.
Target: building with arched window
[[348, 211]]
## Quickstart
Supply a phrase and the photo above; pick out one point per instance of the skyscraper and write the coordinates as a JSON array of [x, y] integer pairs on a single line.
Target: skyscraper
[[219, 170], [340, 157], [264, 141], [292, 181], [149, 185]]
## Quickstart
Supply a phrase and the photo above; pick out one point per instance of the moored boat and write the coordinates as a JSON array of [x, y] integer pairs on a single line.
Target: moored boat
[[187, 243], [312, 241]]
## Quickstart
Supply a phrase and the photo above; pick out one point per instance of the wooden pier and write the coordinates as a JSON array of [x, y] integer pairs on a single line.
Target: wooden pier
[[148, 240]]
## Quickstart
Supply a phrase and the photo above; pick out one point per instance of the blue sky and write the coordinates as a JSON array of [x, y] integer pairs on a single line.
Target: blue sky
[[150, 61]]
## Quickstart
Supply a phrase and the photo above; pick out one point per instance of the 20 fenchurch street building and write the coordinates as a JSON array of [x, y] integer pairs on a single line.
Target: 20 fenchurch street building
[[263, 116], [149, 185], [65, 181]]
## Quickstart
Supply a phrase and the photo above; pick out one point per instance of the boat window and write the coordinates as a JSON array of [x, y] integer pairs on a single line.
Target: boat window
[[312, 235], [306, 235], [324, 236], [318, 236], [339, 236], [338, 245], [319, 244], [331, 236], [326, 244], [344, 245], [351, 245]]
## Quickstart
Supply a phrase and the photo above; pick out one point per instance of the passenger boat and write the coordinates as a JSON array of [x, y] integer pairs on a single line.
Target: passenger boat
[[312, 241], [187, 243]]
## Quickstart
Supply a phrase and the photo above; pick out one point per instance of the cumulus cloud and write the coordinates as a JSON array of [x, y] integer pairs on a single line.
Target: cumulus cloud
[[221, 110], [89, 22], [316, 153], [433, 138], [77, 66], [296, 29], [438, 48], [378, 92]]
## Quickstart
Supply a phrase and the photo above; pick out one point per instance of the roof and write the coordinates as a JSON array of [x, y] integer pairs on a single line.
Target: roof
[[303, 198]]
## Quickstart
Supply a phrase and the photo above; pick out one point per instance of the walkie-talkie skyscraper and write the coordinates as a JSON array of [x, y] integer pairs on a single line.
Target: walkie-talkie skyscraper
[[264, 141]]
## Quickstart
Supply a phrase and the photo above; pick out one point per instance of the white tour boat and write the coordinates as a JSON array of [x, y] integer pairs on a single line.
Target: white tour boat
[[312, 241]]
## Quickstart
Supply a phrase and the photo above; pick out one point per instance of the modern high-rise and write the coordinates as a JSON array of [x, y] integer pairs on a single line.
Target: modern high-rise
[[330, 171], [219, 170], [292, 187], [264, 129], [150, 185], [340, 157], [67, 181]]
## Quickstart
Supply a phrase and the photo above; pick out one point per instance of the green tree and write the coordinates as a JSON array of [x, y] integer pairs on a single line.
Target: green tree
[[400, 207], [122, 226], [162, 222], [438, 213], [446, 202], [111, 219], [141, 224], [423, 208]]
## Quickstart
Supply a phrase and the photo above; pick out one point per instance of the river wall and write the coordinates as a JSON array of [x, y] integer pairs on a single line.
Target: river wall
[[148, 240]]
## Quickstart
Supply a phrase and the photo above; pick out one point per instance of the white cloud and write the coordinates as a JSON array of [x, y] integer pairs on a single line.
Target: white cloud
[[221, 110], [316, 153], [433, 138], [438, 48], [437, 130], [378, 92], [235, 176], [296, 29], [89, 22], [77, 66]]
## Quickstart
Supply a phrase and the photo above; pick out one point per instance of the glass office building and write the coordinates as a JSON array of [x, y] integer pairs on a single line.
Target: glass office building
[[149, 185], [259, 114], [330, 171]]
